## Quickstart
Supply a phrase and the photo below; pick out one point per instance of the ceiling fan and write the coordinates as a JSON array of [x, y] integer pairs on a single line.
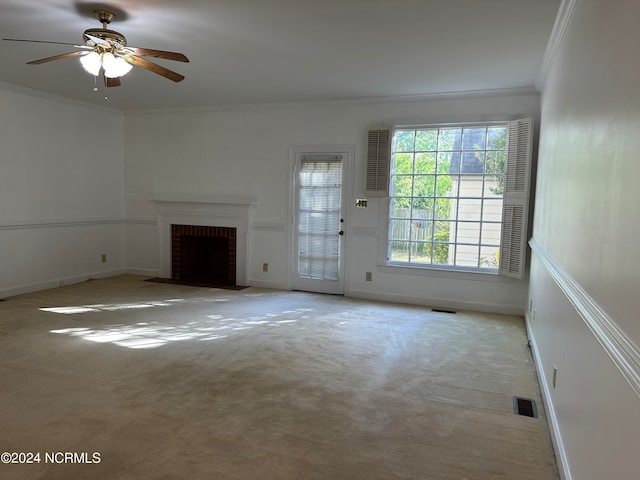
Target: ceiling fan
[[106, 52]]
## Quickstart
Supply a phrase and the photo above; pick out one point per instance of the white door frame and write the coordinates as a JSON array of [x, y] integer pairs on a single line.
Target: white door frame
[[348, 159]]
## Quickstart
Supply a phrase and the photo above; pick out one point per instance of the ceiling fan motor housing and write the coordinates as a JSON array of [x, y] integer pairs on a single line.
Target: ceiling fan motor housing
[[116, 39], [103, 16]]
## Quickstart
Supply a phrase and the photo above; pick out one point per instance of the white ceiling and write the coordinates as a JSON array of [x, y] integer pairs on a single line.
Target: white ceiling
[[270, 51]]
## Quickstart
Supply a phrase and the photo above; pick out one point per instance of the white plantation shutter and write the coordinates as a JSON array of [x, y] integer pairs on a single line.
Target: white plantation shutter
[[516, 198], [378, 161]]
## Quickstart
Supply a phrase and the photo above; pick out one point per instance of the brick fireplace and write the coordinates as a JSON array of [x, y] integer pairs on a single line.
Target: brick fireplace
[[204, 236]]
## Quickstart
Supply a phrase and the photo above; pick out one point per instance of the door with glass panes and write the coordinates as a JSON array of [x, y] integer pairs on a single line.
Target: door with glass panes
[[319, 226]]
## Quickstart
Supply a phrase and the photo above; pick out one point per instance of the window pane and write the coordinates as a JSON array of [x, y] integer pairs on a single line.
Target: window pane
[[443, 231], [403, 163], [405, 140], [489, 257], [496, 138], [422, 208], [400, 229], [401, 185], [449, 139], [494, 186], [424, 185], [492, 210], [427, 140], [469, 209], [474, 138], [445, 163], [399, 252], [425, 163], [472, 163], [443, 185], [445, 209], [469, 232], [494, 162], [470, 186], [421, 252], [442, 253], [420, 230], [490, 234], [467, 256], [400, 207]]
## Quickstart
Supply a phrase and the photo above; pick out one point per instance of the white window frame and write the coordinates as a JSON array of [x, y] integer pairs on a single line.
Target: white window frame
[[515, 204]]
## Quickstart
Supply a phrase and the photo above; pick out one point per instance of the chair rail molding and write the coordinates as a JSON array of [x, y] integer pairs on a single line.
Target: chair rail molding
[[622, 351], [60, 223]]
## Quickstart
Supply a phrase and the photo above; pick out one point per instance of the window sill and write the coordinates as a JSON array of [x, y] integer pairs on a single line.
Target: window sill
[[444, 272]]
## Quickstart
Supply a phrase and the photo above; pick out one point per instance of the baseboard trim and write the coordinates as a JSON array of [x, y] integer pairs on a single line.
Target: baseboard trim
[[144, 272], [622, 351], [59, 282], [438, 302], [266, 284], [552, 419]]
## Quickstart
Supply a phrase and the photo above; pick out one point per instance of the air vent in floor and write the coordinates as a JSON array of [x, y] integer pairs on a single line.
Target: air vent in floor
[[442, 310], [525, 407]]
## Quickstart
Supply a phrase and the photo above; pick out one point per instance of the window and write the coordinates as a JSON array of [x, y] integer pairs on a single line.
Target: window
[[451, 196]]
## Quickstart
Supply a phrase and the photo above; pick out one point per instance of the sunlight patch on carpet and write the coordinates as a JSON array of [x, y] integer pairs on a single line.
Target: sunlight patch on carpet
[[145, 335]]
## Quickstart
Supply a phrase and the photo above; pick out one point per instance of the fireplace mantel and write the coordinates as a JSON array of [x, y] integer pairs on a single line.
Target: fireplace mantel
[[225, 204], [232, 211]]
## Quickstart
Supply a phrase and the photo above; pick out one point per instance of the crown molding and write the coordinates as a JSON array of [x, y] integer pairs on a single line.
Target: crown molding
[[30, 92], [427, 97], [565, 14]]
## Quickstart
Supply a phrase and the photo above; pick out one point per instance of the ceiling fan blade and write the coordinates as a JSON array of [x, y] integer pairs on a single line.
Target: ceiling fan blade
[[40, 41], [153, 67], [111, 82], [148, 52], [55, 57]]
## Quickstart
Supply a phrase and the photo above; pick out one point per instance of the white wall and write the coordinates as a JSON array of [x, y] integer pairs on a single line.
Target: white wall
[[61, 191], [245, 151], [585, 273]]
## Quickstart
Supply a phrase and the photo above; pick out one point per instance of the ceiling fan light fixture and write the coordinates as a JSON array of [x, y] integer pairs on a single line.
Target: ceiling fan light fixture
[[114, 67], [105, 52], [91, 62]]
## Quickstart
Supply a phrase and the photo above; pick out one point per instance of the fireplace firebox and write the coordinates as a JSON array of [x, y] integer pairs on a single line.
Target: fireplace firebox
[[203, 254]]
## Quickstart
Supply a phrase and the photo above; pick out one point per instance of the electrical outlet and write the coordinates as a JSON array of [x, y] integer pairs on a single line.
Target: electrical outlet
[[554, 376], [104, 258], [265, 267], [368, 276]]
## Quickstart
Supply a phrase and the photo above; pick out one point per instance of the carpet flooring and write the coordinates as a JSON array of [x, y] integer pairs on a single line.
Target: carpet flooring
[[126, 379], [196, 283]]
